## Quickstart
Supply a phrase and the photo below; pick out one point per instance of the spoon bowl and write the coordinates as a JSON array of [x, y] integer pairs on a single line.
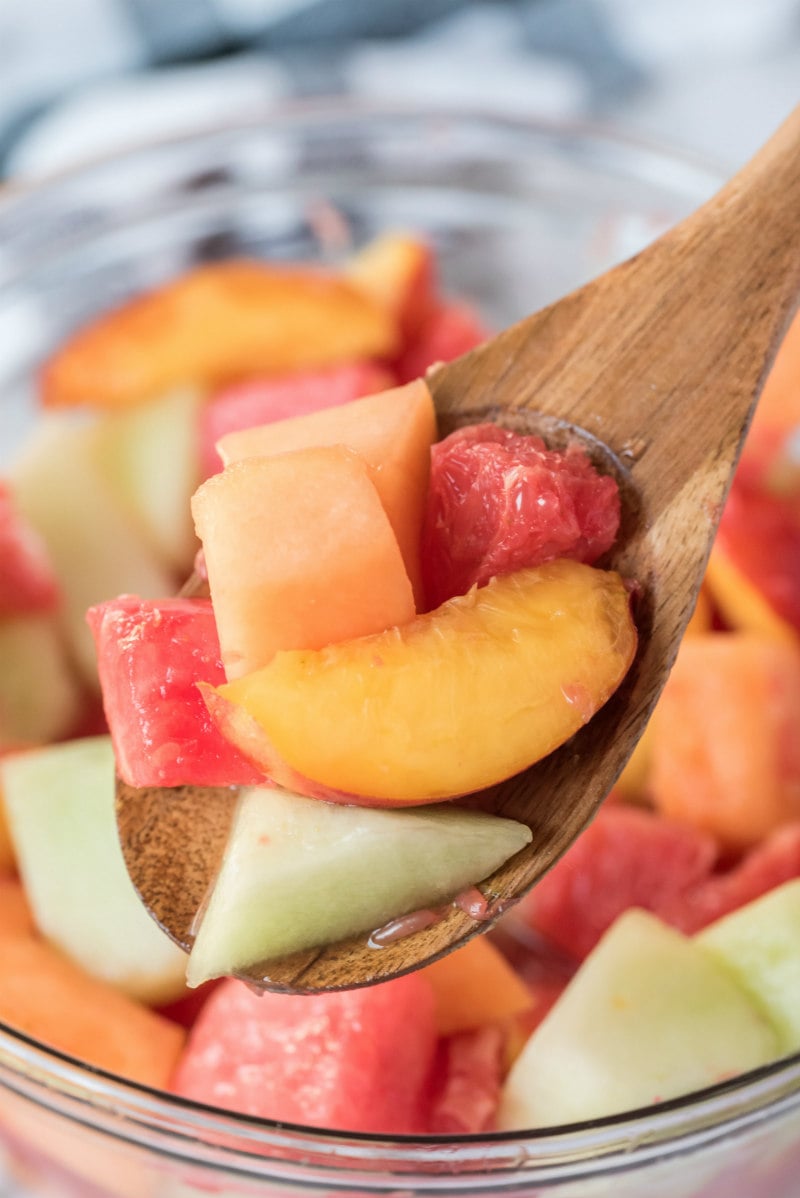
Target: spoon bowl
[[657, 366]]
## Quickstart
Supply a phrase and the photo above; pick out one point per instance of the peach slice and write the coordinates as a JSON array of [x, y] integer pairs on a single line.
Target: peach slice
[[219, 322], [398, 271], [458, 699], [392, 431]]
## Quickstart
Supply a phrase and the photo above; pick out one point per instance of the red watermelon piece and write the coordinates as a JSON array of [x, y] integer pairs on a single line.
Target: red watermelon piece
[[263, 400], [627, 857], [353, 1060], [775, 861], [449, 330], [467, 1095], [499, 501], [27, 580], [760, 533], [151, 655]]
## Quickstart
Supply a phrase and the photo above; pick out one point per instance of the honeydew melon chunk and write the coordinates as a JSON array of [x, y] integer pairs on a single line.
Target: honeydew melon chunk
[[94, 546], [760, 946], [40, 699], [148, 456], [59, 803], [299, 872], [649, 1015]]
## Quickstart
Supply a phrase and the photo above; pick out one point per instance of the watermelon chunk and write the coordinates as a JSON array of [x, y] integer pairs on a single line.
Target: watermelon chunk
[[27, 580], [468, 1094], [627, 857], [151, 654], [449, 330], [354, 1060], [775, 861], [262, 400], [499, 501], [760, 532]]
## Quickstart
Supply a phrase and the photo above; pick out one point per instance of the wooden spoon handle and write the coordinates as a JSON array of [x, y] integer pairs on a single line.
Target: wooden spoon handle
[[710, 299]]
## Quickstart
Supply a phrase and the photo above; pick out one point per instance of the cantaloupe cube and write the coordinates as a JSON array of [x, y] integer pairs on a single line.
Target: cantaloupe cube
[[398, 271], [726, 754], [6, 847], [16, 916], [475, 986], [633, 781], [393, 432], [45, 996], [299, 553]]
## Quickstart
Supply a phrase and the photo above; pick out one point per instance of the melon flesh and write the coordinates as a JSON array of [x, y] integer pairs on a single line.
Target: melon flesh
[[299, 554], [40, 697], [412, 715], [148, 456], [393, 433], [47, 997], [650, 1015], [60, 805], [760, 946], [96, 550], [299, 873]]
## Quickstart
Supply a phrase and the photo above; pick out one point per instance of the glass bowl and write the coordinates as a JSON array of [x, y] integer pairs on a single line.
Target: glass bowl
[[519, 213]]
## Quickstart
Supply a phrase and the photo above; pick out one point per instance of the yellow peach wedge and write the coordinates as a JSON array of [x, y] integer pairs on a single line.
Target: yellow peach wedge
[[219, 322], [456, 700], [740, 603]]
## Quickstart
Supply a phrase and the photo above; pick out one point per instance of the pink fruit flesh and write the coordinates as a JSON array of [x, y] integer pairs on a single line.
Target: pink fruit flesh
[[261, 401], [27, 581], [499, 502], [151, 655], [325, 1060]]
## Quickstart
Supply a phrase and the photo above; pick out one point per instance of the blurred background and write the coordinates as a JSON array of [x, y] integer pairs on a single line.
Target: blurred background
[[78, 77]]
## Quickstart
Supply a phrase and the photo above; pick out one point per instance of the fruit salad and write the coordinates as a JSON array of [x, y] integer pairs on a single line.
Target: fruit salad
[[382, 621]]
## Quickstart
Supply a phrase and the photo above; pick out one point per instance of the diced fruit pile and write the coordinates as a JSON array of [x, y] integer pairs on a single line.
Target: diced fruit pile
[[381, 603]]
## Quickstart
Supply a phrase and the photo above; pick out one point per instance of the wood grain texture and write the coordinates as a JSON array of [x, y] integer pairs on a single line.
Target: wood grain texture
[[659, 364]]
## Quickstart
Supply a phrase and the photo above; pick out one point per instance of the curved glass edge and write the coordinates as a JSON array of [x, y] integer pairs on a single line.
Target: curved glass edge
[[186, 1130], [204, 1135]]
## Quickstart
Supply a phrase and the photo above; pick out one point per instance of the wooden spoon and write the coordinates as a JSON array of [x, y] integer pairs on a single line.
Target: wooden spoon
[[660, 361]]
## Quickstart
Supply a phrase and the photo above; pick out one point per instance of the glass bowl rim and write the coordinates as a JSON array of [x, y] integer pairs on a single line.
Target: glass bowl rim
[[97, 1099]]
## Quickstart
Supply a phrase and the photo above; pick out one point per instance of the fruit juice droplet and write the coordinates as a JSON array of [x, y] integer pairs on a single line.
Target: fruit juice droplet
[[473, 903], [580, 698], [406, 925]]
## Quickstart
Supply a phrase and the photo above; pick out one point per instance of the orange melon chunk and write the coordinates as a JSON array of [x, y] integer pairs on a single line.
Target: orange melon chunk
[[740, 602], [726, 755], [45, 996], [458, 699], [474, 986], [6, 847], [15, 914], [299, 554], [632, 782], [393, 432], [219, 322], [398, 271]]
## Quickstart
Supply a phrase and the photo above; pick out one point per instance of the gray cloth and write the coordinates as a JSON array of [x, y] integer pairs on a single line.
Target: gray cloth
[[84, 76]]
